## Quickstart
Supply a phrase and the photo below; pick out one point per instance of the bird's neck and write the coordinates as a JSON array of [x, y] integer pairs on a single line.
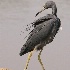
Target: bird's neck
[[54, 10]]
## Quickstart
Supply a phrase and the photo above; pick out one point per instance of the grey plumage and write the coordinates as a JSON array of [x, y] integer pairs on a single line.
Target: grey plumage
[[45, 29]]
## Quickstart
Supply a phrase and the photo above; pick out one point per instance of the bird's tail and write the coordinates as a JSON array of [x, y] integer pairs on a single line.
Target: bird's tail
[[23, 50]]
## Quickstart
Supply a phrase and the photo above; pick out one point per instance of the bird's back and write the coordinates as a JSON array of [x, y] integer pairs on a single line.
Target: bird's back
[[44, 32]]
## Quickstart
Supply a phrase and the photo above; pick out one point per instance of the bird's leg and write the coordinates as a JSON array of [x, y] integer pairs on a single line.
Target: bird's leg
[[40, 59], [29, 56]]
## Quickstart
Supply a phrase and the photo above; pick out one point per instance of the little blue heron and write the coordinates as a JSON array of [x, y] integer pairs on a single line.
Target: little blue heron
[[45, 29]]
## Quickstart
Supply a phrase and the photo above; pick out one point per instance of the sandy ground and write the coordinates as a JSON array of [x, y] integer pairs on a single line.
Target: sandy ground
[[14, 16]]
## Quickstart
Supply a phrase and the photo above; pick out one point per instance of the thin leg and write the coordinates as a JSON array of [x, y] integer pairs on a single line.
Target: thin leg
[[29, 56], [40, 60]]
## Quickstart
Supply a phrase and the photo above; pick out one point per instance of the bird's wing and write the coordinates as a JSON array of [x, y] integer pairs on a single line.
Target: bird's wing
[[37, 36], [38, 24], [41, 29]]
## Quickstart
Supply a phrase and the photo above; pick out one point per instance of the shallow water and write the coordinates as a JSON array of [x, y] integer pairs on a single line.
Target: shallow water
[[14, 16]]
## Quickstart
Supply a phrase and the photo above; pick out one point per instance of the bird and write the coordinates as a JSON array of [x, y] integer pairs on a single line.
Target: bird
[[45, 29]]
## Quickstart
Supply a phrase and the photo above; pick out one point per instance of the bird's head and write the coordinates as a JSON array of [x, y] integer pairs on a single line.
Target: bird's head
[[48, 4]]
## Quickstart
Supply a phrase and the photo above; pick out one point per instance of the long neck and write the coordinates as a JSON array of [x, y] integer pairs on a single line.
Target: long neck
[[54, 10]]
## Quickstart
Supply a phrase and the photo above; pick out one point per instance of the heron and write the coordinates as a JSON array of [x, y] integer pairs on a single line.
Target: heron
[[45, 29]]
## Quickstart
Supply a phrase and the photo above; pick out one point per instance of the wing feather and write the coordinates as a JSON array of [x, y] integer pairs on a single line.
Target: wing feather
[[39, 33]]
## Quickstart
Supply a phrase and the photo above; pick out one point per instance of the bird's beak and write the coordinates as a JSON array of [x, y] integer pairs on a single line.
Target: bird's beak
[[40, 11]]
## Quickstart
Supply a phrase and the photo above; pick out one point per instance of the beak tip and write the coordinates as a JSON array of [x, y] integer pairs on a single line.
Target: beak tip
[[37, 14]]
